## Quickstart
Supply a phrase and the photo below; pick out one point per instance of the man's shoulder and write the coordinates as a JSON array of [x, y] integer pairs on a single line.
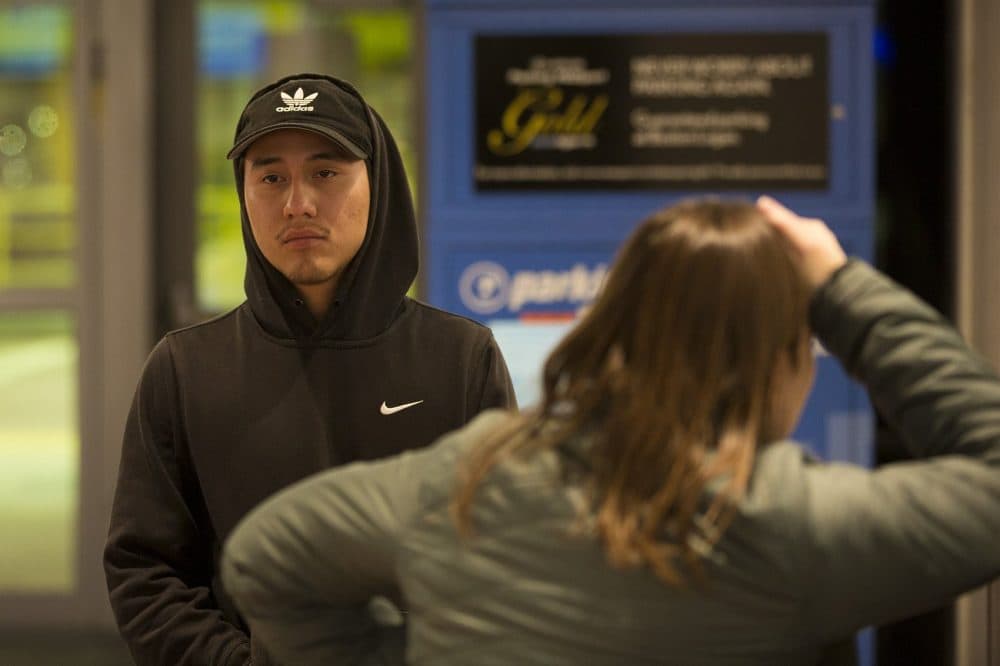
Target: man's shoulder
[[220, 324], [204, 337], [442, 321]]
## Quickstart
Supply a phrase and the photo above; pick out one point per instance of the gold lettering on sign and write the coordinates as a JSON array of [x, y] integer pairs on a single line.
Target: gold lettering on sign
[[540, 111]]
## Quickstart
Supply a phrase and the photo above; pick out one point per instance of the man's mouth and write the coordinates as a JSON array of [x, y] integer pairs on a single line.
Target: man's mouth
[[302, 237]]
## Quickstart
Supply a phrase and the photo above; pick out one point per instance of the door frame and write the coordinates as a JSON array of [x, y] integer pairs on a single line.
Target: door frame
[[112, 89]]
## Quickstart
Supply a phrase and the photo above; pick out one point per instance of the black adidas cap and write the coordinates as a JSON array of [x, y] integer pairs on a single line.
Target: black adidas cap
[[306, 102]]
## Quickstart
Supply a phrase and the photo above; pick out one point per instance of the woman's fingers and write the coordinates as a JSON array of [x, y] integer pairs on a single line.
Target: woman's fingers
[[819, 250]]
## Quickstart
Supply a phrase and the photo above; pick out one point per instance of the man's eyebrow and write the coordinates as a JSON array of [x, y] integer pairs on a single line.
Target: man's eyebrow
[[325, 156], [331, 157], [263, 161]]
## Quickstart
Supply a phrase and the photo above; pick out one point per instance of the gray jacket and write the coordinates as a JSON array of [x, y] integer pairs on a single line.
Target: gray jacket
[[816, 551]]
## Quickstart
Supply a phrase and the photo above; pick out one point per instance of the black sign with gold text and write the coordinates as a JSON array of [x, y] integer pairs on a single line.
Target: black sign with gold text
[[669, 111]]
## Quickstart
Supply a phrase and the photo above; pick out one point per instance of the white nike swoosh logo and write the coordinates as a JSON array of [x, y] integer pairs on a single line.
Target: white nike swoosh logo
[[386, 409]]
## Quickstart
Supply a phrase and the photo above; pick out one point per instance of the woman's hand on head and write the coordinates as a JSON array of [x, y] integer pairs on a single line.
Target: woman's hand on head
[[818, 250]]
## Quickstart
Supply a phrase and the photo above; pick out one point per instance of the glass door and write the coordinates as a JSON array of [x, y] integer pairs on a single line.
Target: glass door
[[39, 282]]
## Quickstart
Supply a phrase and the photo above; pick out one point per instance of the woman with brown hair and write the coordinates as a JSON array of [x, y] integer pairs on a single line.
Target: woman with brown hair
[[648, 509]]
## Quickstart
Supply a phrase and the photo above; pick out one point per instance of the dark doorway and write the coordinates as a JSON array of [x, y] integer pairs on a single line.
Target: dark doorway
[[914, 46]]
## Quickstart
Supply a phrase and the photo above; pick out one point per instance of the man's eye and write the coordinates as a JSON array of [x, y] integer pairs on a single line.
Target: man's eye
[[270, 178], [326, 173]]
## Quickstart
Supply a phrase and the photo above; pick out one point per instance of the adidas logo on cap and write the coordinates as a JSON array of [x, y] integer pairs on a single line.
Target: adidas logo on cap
[[297, 102]]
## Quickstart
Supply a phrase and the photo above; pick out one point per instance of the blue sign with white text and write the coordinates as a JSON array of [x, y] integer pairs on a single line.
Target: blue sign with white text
[[526, 285]]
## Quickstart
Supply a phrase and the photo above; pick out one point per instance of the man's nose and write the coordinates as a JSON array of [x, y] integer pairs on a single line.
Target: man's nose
[[301, 200]]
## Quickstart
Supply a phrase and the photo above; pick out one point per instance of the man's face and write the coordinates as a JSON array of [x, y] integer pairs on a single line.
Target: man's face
[[308, 206]]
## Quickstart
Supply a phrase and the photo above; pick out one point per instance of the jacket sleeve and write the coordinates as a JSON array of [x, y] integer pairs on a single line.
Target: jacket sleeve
[[905, 537], [157, 560], [497, 388], [304, 566]]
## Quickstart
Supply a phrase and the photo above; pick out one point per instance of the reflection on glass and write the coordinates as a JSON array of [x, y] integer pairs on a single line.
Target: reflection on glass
[[17, 174], [12, 140], [37, 198], [43, 121], [39, 441], [39, 448], [244, 45]]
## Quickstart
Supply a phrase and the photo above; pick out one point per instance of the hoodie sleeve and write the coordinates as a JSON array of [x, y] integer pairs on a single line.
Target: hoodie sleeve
[[158, 561], [497, 388], [908, 536]]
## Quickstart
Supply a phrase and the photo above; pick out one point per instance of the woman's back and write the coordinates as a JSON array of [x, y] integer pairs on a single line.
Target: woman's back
[[533, 585]]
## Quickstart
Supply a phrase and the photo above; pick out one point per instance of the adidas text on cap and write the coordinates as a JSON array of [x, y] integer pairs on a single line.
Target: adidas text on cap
[[313, 104]]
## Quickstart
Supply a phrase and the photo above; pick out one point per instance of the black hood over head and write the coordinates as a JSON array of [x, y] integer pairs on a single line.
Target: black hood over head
[[373, 286]]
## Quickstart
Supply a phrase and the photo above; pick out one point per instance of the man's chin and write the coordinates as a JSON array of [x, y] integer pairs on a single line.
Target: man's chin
[[309, 276]]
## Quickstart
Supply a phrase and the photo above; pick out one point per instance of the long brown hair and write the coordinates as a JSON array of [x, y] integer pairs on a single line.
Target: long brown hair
[[669, 376]]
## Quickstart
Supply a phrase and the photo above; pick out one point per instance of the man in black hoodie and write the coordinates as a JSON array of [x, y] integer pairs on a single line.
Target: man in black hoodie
[[326, 362]]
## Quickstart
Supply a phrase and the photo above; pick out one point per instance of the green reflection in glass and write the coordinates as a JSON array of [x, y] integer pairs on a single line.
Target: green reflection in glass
[[43, 121], [37, 228], [34, 37], [39, 447], [12, 140], [37, 156]]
